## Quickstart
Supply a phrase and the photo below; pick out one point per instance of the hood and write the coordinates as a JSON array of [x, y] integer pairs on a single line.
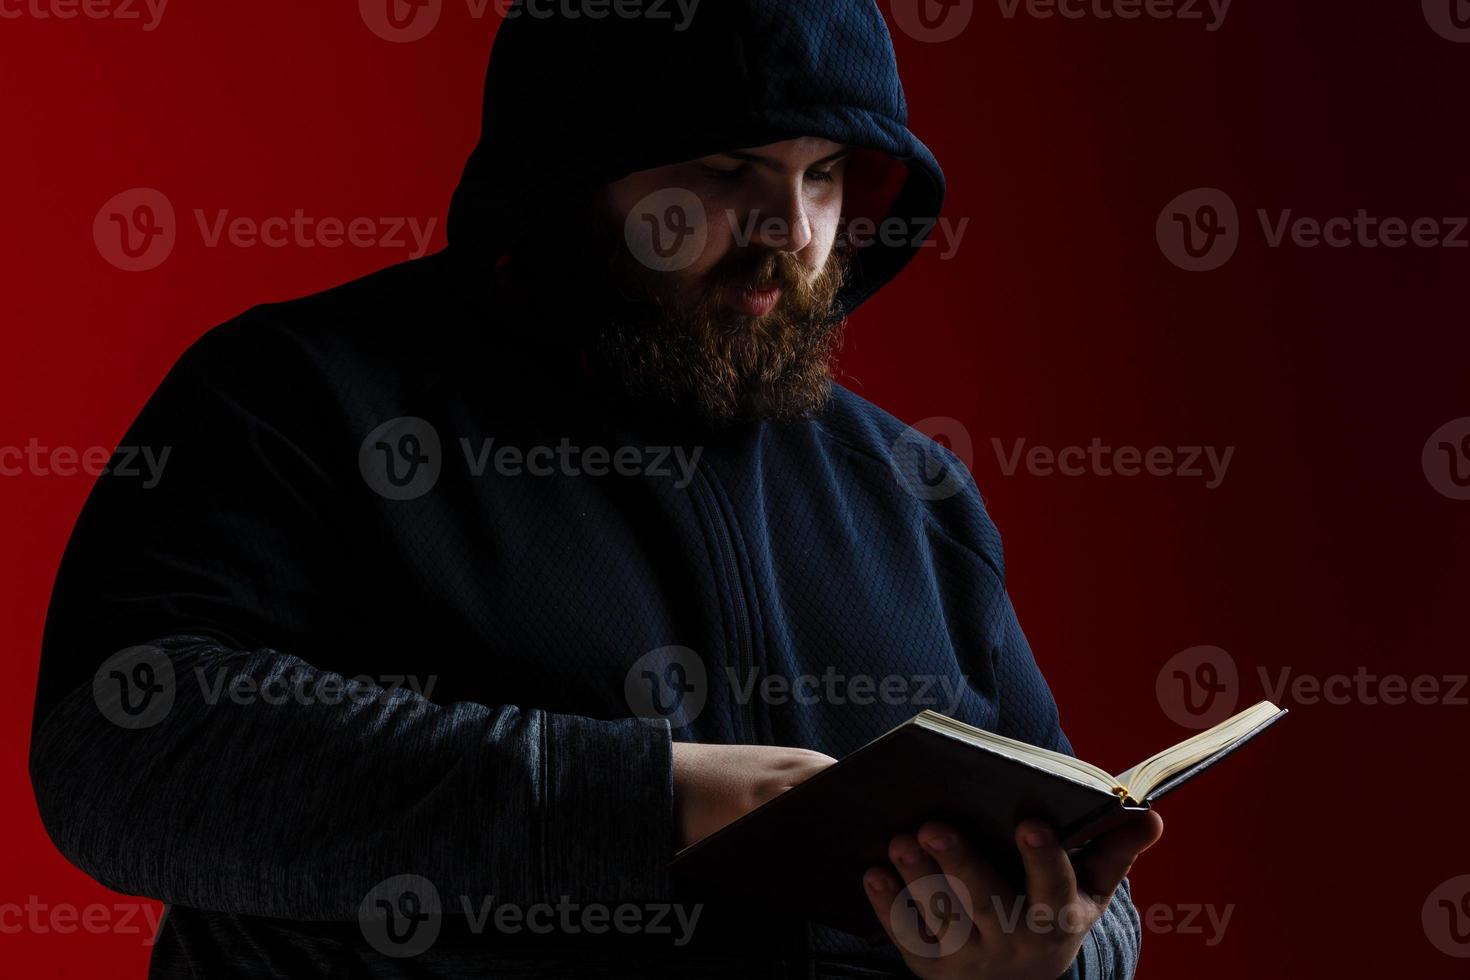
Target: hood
[[572, 102]]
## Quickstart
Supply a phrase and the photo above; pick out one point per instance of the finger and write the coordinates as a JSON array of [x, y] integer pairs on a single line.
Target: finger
[[983, 892], [1050, 882], [915, 867], [884, 888], [925, 920], [1105, 861]]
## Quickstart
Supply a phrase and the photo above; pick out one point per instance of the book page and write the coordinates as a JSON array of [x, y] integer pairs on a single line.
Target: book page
[[1144, 777], [1057, 763]]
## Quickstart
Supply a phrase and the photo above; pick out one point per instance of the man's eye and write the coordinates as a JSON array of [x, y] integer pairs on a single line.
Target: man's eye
[[821, 176]]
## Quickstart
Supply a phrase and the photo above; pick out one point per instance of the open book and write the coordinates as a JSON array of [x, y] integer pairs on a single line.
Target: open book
[[1138, 784], [806, 850]]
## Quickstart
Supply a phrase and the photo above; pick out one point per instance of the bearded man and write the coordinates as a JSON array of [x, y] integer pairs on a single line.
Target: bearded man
[[461, 589]]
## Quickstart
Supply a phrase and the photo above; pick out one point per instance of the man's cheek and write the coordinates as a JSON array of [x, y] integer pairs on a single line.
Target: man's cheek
[[718, 244]]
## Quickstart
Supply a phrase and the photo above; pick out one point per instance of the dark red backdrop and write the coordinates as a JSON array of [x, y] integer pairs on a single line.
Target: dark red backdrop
[[1326, 548]]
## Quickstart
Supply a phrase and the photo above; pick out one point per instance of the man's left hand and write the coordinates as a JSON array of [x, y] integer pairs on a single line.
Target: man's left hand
[[953, 916]]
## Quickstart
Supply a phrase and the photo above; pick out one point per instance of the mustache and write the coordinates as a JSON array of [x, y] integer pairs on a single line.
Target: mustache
[[759, 270]]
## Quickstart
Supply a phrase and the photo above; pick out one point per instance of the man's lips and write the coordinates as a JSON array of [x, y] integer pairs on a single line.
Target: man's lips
[[753, 301]]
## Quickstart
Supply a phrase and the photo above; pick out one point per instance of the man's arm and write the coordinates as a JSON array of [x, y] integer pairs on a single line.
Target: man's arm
[[268, 806]]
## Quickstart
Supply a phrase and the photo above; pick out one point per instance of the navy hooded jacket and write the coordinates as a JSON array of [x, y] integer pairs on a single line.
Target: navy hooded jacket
[[385, 623]]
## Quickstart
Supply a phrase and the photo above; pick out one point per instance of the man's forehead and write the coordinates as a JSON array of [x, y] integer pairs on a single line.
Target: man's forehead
[[803, 151]]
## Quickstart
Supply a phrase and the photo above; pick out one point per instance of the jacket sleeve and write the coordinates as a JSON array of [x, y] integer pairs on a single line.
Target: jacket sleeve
[[1028, 712], [166, 761]]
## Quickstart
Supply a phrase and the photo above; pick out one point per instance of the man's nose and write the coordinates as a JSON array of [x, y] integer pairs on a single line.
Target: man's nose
[[781, 222]]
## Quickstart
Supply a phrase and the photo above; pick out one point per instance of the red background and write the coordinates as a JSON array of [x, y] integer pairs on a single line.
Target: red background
[[1059, 320]]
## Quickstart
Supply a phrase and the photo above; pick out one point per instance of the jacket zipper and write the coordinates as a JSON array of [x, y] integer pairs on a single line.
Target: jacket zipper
[[744, 653]]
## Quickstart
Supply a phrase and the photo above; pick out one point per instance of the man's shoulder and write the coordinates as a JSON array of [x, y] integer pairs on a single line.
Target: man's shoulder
[[382, 307], [864, 427], [920, 466], [382, 321]]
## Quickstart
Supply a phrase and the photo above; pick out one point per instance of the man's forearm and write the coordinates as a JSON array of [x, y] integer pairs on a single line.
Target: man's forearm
[[1110, 950], [296, 810]]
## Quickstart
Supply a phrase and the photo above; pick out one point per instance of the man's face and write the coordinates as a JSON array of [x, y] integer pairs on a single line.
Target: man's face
[[783, 199], [742, 330]]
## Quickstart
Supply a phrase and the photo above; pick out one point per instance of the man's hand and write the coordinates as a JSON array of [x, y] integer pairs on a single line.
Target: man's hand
[[714, 784], [953, 916]]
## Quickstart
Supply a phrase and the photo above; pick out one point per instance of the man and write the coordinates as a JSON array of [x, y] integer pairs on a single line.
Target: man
[[448, 624]]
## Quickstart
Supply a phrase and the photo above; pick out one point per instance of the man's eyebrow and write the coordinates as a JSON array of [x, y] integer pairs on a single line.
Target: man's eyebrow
[[777, 164]]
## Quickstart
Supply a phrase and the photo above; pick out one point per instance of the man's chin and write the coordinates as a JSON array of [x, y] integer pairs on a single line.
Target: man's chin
[[711, 392], [738, 355]]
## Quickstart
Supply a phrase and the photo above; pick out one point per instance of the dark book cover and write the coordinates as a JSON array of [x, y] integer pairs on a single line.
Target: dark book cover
[[804, 853]]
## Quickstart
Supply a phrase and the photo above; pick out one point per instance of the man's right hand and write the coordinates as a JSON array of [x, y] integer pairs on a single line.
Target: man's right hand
[[715, 784]]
